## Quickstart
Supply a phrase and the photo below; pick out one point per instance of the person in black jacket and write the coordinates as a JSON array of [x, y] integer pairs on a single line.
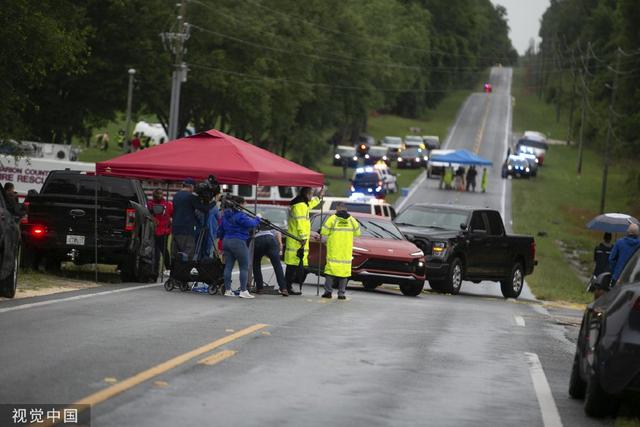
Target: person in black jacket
[[601, 258], [184, 220]]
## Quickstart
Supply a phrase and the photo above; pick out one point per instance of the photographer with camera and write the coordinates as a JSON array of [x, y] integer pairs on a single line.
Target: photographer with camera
[[162, 211], [235, 232], [184, 220]]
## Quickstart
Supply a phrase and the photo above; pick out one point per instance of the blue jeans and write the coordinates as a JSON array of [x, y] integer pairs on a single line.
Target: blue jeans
[[235, 249]]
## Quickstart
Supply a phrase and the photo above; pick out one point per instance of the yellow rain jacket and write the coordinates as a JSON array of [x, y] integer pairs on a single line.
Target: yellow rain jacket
[[300, 226], [340, 232]]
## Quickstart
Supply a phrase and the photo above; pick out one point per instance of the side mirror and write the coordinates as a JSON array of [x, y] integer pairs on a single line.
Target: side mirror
[[463, 226], [603, 281]]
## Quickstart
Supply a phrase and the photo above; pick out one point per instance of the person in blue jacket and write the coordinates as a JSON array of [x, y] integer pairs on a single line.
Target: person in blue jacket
[[234, 231], [622, 251]]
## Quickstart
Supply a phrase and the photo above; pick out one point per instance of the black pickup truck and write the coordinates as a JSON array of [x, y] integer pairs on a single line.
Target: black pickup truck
[[464, 243], [62, 225]]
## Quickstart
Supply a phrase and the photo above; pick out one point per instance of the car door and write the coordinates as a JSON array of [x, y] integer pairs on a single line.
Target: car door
[[317, 249], [10, 238], [498, 257], [476, 240]]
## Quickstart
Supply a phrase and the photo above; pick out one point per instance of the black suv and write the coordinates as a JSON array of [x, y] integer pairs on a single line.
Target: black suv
[[62, 224], [10, 252]]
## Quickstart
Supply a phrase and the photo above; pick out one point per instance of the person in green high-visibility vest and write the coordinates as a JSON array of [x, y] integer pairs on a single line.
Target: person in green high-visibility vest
[[447, 177], [339, 230], [483, 183]]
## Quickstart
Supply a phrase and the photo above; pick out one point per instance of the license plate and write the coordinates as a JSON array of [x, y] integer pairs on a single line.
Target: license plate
[[75, 240]]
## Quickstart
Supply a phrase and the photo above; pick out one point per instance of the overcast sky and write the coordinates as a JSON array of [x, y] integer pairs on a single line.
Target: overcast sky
[[524, 20]]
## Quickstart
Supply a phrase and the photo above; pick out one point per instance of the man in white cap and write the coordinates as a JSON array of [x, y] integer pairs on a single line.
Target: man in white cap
[[622, 251]]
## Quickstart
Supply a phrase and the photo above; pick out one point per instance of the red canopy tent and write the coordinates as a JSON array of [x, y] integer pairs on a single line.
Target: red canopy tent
[[230, 159]]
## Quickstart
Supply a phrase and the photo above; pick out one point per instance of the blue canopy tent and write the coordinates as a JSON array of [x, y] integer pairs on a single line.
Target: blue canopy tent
[[461, 157]]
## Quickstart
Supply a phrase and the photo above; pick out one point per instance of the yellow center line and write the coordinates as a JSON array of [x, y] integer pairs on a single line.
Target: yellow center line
[[124, 385], [480, 134], [217, 357]]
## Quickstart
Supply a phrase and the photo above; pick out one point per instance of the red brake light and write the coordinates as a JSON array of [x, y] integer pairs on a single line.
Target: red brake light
[[38, 231], [533, 250], [130, 220]]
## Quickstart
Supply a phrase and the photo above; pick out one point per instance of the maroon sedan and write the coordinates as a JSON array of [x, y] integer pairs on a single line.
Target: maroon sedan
[[380, 255]]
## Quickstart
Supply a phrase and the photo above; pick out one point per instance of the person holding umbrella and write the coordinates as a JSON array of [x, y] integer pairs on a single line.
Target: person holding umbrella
[[296, 255], [623, 250]]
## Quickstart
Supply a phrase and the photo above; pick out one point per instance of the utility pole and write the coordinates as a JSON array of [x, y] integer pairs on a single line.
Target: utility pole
[[572, 104], [176, 43], [583, 114], [132, 73], [612, 103]]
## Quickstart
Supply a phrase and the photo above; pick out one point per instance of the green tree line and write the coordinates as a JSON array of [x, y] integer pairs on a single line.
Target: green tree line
[[282, 74], [588, 48]]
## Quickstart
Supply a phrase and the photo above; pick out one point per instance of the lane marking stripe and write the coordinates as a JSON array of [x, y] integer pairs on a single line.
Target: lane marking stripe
[[217, 357], [80, 297], [548, 408], [519, 321]]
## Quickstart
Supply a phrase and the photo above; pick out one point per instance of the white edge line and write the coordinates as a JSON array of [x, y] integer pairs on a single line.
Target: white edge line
[[519, 321], [423, 176], [79, 297], [548, 408]]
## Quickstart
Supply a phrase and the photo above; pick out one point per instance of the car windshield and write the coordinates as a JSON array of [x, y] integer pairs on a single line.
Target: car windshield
[[379, 229], [392, 140], [416, 139], [531, 143], [444, 219], [366, 178], [378, 151], [275, 215], [411, 152], [347, 151]]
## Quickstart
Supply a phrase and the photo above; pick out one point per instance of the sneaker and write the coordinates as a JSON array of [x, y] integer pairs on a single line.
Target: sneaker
[[229, 293], [292, 292], [284, 293], [342, 297], [326, 295], [245, 294]]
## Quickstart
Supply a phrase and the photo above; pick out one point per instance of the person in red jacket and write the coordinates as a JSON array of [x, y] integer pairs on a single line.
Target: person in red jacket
[[162, 210]]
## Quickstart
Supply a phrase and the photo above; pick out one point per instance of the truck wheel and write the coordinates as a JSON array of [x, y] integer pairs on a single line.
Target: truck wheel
[[597, 402], [9, 284], [412, 288], [453, 283], [512, 286], [577, 386], [370, 285]]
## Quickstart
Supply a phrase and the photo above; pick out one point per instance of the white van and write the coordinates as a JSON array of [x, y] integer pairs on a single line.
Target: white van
[[360, 204], [437, 168]]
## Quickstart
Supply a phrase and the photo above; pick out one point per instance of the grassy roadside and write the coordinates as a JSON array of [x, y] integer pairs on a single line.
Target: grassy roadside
[[557, 204]]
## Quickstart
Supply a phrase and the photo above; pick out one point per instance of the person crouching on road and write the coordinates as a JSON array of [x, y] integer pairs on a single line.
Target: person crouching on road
[[234, 232], [622, 251], [268, 242], [299, 226], [339, 230], [162, 211]]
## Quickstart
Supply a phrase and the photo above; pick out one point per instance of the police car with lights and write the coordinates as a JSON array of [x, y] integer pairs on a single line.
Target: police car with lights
[[516, 167], [369, 181]]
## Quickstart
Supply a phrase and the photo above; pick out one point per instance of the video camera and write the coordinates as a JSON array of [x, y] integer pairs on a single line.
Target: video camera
[[208, 190]]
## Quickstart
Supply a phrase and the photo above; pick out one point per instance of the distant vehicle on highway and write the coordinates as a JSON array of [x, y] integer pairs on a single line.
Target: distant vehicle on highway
[[363, 143], [533, 162], [606, 362], [465, 243], [61, 224], [516, 167], [536, 146], [381, 255], [414, 141], [431, 142], [11, 247], [377, 153], [368, 181], [412, 158], [488, 88], [394, 145], [345, 153], [359, 203]]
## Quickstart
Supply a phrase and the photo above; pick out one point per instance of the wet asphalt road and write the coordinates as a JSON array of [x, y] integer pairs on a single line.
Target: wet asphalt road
[[379, 358]]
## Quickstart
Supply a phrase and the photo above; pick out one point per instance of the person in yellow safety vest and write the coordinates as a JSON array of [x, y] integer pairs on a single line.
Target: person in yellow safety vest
[[300, 226], [448, 177], [483, 183], [339, 230]]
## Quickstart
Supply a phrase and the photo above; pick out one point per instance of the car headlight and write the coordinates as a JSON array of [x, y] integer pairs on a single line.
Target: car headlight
[[420, 264], [366, 156], [355, 158], [385, 158], [417, 159], [418, 253], [527, 169], [370, 190], [400, 159], [509, 167], [353, 188], [337, 156], [439, 249], [425, 158], [359, 249]]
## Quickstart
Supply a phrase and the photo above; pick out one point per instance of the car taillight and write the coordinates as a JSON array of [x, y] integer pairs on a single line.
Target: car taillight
[[532, 249], [38, 231], [130, 220]]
